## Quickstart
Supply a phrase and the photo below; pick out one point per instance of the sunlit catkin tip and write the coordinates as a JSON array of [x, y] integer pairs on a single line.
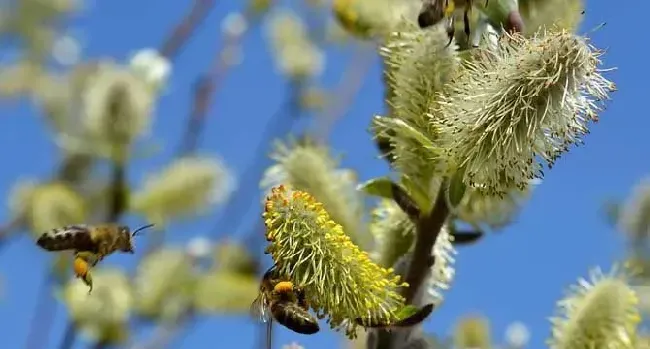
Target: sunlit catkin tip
[[187, 186], [339, 279], [514, 110], [152, 67], [598, 313], [311, 167]]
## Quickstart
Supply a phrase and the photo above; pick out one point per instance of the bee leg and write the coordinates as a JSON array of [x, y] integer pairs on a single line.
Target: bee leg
[[466, 21], [450, 31], [88, 280], [302, 299], [82, 271]]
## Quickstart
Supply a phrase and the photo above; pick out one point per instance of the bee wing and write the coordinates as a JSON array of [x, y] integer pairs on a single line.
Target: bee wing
[[259, 309], [70, 237]]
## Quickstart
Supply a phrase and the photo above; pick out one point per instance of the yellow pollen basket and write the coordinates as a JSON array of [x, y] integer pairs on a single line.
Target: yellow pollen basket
[[283, 287], [451, 7]]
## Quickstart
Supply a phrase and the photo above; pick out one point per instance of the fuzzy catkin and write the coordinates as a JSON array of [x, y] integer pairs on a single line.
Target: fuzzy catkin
[[513, 110]]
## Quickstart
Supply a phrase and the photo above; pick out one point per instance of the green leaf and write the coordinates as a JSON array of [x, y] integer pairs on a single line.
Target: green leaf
[[381, 187], [417, 194], [385, 188], [456, 189], [407, 311], [407, 316], [400, 126], [412, 317]]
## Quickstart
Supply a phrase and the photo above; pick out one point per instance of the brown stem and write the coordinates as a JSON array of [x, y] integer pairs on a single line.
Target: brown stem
[[427, 231], [184, 29]]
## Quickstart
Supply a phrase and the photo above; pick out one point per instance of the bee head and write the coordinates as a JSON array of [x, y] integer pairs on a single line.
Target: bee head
[[127, 236]]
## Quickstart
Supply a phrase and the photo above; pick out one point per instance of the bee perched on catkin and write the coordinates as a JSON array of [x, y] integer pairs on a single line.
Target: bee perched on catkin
[[100, 240]]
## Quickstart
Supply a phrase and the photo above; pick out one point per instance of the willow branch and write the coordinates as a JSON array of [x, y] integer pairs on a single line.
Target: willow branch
[[346, 91], [9, 229], [204, 89], [184, 29], [166, 331], [279, 123], [69, 336], [43, 315], [428, 229]]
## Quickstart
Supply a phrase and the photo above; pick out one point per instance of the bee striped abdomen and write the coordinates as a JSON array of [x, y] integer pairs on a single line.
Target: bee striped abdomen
[[294, 318], [72, 237]]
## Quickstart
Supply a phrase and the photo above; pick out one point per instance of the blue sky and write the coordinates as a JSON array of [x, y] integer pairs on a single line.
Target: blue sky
[[516, 275]]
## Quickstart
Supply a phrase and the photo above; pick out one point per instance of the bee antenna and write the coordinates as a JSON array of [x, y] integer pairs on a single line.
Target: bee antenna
[[135, 232]]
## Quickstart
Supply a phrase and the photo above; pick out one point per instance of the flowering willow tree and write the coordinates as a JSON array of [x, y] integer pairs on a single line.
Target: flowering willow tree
[[468, 129]]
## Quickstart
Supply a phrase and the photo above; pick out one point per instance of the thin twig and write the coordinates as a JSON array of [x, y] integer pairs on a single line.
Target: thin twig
[[99, 345], [204, 90], [166, 331], [9, 229], [69, 336], [280, 122], [43, 315], [346, 91], [184, 29]]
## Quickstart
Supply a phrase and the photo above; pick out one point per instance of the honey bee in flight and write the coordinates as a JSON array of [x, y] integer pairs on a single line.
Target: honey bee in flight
[[434, 11], [285, 302], [100, 240]]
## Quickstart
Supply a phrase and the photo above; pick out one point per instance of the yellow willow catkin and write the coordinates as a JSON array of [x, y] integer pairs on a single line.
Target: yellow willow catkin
[[339, 279]]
